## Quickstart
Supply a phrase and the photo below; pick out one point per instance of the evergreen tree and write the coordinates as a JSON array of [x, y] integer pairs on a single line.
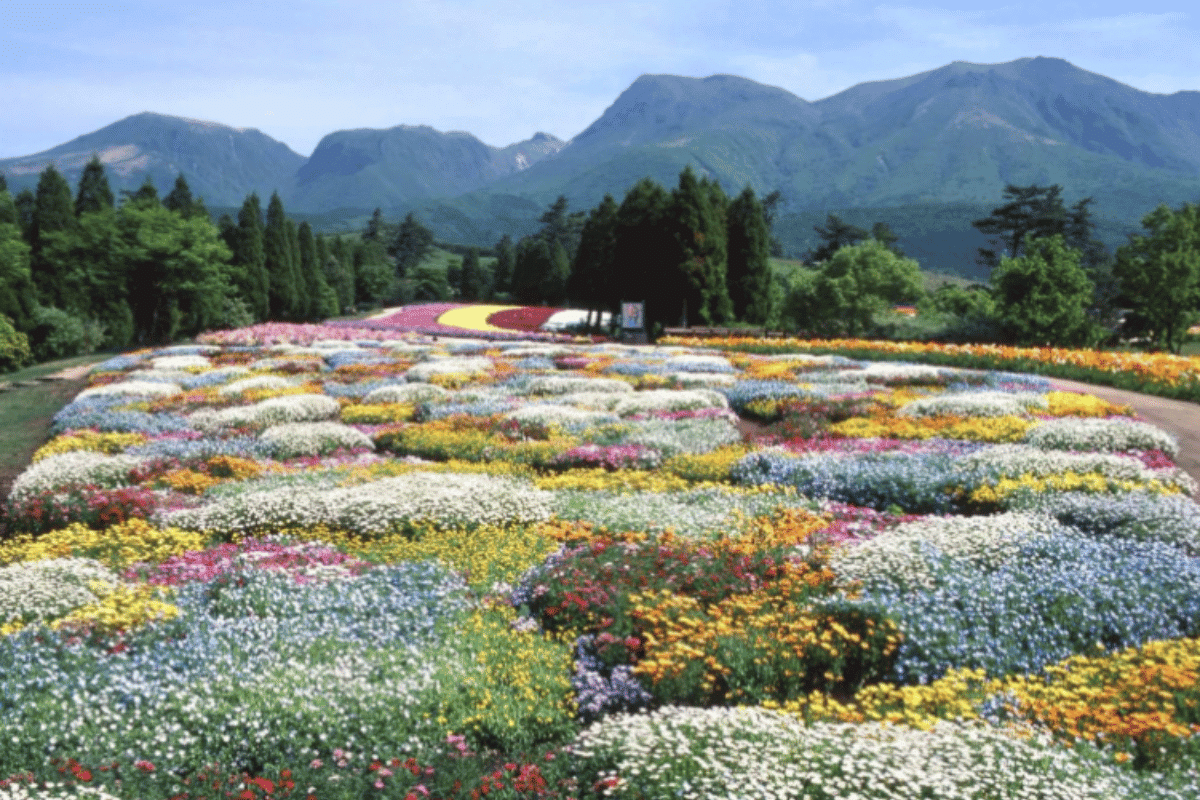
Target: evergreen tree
[[8, 209], [374, 274], [250, 277], [412, 242], [835, 234], [94, 193], [560, 227], [375, 228], [472, 284], [282, 290], [176, 273], [749, 260], [770, 206], [591, 281], [429, 284], [91, 258], [699, 281], [53, 210], [644, 243], [180, 199], [317, 303], [24, 203], [505, 259], [1030, 210], [146, 195], [882, 233], [338, 265], [3, 183], [1097, 262]]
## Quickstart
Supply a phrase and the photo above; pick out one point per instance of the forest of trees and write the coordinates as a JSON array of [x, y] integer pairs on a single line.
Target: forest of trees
[[85, 270]]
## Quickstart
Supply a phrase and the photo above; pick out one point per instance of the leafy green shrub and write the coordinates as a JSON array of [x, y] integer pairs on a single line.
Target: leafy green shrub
[[14, 347], [58, 334]]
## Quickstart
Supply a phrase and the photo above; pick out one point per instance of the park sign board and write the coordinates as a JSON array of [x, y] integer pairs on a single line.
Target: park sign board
[[633, 316]]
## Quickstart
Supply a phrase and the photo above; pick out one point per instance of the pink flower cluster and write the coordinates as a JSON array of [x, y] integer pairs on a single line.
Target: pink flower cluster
[[203, 565]]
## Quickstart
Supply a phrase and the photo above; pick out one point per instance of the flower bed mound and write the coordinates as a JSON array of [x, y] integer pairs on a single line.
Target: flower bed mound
[[522, 318]]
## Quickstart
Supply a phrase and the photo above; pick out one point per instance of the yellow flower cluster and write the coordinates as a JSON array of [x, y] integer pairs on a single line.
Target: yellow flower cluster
[[1160, 368], [484, 556], [108, 443], [1071, 404], [1093, 482], [123, 609], [258, 395], [684, 641], [1138, 700], [364, 414], [118, 546], [954, 696], [514, 683], [621, 480], [976, 429], [455, 380], [712, 467], [787, 527]]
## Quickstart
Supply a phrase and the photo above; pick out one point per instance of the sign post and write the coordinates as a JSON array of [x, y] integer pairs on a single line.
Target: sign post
[[633, 322]]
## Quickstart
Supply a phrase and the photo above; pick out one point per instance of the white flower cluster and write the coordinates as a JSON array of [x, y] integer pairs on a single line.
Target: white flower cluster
[[41, 591], [700, 380], [272, 411], [526, 350], [698, 363], [132, 388], [17, 790], [73, 468], [975, 404], [293, 439], [1109, 435], [453, 365], [695, 435], [570, 384], [1013, 460], [752, 752], [407, 393], [255, 382], [668, 400], [559, 415], [902, 554], [890, 371], [375, 508], [184, 362]]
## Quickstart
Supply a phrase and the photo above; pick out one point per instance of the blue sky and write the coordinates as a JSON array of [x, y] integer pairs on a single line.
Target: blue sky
[[504, 69]]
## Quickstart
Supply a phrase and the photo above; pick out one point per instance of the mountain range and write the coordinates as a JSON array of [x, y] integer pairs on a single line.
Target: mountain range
[[926, 153]]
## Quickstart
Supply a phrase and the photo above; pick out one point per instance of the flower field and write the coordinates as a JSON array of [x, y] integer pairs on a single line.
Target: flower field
[[338, 562], [1161, 374], [474, 319]]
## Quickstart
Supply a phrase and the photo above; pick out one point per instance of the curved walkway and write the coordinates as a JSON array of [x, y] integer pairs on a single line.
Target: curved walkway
[[1178, 417]]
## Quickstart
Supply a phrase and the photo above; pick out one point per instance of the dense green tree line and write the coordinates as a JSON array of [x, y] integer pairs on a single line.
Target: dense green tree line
[[86, 271]]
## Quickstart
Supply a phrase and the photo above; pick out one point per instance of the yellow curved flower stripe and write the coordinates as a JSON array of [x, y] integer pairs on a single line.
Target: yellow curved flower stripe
[[473, 318]]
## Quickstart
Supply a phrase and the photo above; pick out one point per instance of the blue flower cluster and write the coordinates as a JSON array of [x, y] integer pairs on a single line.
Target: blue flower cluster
[[601, 689], [98, 413], [1063, 595], [743, 393], [917, 483]]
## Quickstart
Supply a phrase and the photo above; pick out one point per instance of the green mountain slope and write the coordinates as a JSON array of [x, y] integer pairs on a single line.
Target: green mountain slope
[[221, 164]]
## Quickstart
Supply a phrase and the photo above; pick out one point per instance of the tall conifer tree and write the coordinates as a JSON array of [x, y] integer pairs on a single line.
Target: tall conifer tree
[[250, 271], [282, 292], [749, 261], [53, 210], [94, 193], [180, 199]]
